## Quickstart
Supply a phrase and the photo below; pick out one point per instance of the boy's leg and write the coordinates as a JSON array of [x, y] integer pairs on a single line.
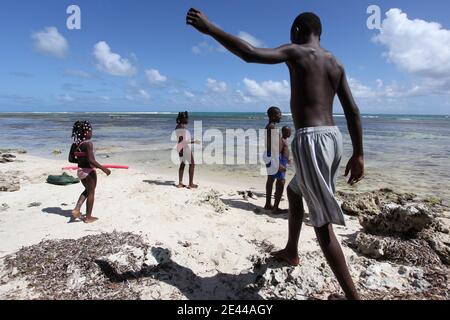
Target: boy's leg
[[180, 175], [91, 184], [279, 189], [296, 212], [269, 188], [335, 257]]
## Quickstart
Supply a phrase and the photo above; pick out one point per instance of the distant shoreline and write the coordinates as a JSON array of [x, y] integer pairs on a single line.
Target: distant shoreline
[[216, 113]]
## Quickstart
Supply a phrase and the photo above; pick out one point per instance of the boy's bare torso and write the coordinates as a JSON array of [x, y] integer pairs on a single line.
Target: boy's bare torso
[[284, 148], [315, 77]]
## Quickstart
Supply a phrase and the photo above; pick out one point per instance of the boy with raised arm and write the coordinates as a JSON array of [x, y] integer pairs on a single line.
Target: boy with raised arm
[[316, 77]]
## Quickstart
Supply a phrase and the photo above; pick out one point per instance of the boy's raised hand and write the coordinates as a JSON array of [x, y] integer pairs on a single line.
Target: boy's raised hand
[[198, 20]]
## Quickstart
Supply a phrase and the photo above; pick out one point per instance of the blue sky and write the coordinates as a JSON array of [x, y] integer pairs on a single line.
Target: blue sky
[[141, 56]]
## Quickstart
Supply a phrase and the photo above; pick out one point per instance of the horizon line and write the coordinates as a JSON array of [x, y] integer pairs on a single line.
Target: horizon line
[[207, 112]]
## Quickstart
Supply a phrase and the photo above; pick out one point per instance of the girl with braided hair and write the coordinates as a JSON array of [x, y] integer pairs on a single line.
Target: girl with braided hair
[[82, 152]]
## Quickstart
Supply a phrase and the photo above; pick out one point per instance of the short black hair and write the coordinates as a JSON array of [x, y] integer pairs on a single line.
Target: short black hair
[[285, 129], [273, 111], [308, 23]]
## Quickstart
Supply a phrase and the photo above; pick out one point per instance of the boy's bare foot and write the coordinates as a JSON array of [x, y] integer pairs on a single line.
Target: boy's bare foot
[[76, 214], [278, 211], [268, 207], [180, 185], [193, 186], [90, 219], [283, 255]]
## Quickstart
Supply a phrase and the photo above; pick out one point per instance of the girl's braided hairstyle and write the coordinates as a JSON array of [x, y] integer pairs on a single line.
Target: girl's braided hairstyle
[[79, 131]]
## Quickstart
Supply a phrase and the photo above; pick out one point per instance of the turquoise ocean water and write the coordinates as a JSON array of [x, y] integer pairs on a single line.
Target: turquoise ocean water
[[409, 152]]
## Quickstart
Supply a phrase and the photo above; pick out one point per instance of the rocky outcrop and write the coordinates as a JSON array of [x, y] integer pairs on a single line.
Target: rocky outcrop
[[415, 252], [7, 157], [399, 227], [405, 220], [371, 203]]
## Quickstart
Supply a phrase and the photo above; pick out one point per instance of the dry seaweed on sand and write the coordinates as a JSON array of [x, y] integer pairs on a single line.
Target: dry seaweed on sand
[[71, 269], [212, 197]]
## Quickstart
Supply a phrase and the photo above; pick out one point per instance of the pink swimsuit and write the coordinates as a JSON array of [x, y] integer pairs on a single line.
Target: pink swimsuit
[[83, 173]]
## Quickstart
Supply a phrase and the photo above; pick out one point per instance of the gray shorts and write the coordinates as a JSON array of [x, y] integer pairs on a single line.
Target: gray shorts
[[317, 154]]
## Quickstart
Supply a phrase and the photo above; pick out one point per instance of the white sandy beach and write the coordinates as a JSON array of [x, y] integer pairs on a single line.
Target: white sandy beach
[[207, 242]]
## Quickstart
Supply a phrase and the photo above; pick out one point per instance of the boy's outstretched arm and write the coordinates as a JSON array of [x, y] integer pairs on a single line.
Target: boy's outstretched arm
[[355, 165], [237, 46]]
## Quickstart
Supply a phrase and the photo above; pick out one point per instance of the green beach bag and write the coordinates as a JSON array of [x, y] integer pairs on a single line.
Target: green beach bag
[[62, 180]]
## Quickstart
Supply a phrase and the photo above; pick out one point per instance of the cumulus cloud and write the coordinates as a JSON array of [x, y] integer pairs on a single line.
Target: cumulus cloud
[[394, 90], [207, 47], [416, 46], [216, 86], [188, 94], [51, 42], [143, 94], [250, 39], [110, 62], [360, 90], [65, 98], [154, 76], [268, 89]]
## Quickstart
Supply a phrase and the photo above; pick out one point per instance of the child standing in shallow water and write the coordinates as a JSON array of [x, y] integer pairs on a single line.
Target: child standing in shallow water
[[184, 150], [82, 152]]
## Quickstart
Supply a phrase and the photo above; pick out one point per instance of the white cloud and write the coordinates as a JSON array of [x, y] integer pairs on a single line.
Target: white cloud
[[65, 98], [360, 90], [207, 47], [112, 63], [250, 39], [154, 76], [216, 86], [416, 46], [196, 49], [143, 94], [188, 94], [394, 90], [268, 89], [51, 42]]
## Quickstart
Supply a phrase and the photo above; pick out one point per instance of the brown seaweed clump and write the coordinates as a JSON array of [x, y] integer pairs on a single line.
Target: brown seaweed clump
[[78, 269], [212, 198]]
